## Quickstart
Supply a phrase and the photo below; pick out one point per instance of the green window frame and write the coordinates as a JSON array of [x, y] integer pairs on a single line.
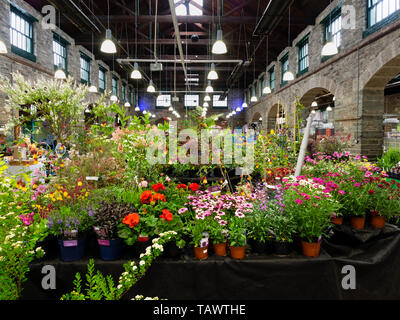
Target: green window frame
[[123, 95], [85, 69], [130, 96], [219, 104], [380, 10], [102, 79], [333, 27], [304, 58], [262, 82], [272, 79], [22, 33], [60, 53], [284, 68], [191, 101], [115, 86]]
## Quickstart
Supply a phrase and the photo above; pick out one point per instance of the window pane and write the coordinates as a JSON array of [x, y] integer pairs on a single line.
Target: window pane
[[21, 35], [219, 104], [192, 100], [164, 100]]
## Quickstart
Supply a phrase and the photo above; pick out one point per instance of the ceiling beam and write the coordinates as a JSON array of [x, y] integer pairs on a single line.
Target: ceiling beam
[[181, 19]]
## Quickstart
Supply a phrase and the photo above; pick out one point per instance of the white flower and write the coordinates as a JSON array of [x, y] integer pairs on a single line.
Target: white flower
[[119, 286], [141, 255], [142, 263]]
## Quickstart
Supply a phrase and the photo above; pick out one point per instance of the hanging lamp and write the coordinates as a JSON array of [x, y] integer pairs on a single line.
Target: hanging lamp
[[330, 48], [288, 75], [108, 46], [212, 75]]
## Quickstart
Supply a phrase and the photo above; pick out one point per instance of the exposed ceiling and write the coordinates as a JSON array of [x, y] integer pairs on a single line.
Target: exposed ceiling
[[82, 18]]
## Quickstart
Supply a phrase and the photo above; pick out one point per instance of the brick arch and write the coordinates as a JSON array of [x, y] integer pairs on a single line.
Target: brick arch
[[383, 68], [256, 116], [315, 84]]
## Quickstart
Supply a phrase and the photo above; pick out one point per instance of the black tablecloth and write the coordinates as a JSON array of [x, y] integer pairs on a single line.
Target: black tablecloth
[[374, 253]]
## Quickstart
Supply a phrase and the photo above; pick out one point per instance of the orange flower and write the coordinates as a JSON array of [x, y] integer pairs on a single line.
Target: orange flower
[[131, 220], [167, 215], [146, 197], [159, 197]]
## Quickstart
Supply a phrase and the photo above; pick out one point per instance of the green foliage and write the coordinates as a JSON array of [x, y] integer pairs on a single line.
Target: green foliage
[[237, 232], [389, 160]]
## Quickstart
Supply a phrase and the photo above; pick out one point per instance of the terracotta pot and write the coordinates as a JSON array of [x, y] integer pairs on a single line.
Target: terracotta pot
[[238, 252], [220, 249], [357, 222], [378, 222], [310, 249], [337, 220], [201, 253]]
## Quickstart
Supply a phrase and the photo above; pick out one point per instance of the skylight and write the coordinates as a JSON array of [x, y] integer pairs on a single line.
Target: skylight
[[194, 10]]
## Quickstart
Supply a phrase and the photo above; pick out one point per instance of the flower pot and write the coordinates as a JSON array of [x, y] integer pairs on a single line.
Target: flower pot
[[338, 221], [171, 250], [220, 249], [282, 247], [143, 238], [257, 246], [378, 222], [310, 249], [357, 222], [110, 249], [72, 250], [201, 253], [238, 252]]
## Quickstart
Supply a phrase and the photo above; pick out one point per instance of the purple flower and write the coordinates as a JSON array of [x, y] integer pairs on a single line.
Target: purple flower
[[90, 213]]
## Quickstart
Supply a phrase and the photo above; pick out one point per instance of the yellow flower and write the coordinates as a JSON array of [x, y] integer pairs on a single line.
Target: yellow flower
[[79, 183], [34, 186], [35, 162], [27, 165], [272, 131], [65, 193], [59, 198], [62, 165]]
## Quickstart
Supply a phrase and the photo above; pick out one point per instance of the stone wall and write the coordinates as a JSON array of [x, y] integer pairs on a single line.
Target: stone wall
[[356, 76]]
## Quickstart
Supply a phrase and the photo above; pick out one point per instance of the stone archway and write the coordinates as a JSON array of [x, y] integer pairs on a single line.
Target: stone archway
[[373, 81]]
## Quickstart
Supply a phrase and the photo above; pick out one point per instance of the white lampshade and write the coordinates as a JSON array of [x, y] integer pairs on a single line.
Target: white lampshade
[[108, 45], [170, 108], [334, 98], [127, 105], [314, 104], [244, 105], [237, 109], [313, 112], [212, 75], [209, 88], [178, 116], [329, 109], [136, 74], [137, 108], [267, 90], [233, 112], [219, 46], [329, 49], [92, 89], [151, 87], [253, 99], [205, 104], [207, 98], [114, 98], [144, 111], [153, 115], [3, 48], [60, 74], [288, 76], [260, 119]]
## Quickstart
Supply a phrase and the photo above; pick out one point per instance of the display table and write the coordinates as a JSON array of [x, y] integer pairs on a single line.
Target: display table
[[375, 255]]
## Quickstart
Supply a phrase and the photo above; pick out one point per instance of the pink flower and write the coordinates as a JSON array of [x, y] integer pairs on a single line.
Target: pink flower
[[143, 184], [299, 201], [222, 222], [357, 184], [341, 192], [182, 210]]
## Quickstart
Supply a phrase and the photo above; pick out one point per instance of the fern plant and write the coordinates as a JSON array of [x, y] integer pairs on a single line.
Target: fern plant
[[101, 287]]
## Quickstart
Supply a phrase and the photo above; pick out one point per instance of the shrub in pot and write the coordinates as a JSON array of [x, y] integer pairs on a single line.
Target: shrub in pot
[[283, 228], [257, 226], [218, 234], [384, 202], [310, 204], [237, 236], [69, 224], [199, 239], [107, 217]]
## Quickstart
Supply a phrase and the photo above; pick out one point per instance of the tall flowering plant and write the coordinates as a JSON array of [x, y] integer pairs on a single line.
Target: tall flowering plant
[[311, 205]]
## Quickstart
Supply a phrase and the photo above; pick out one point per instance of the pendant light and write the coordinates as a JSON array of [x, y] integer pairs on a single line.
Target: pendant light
[[253, 99], [314, 104], [92, 89], [244, 105], [151, 87], [127, 104], [267, 89], [144, 111], [233, 112], [209, 88], [330, 48], [288, 75], [108, 45], [137, 108], [207, 98], [329, 109], [60, 73], [219, 46], [136, 74], [212, 75], [113, 98], [238, 109], [205, 104], [3, 47]]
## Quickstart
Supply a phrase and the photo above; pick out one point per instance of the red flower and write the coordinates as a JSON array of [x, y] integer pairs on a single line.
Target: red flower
[[182, 186], [166, 215], [371, 191], [158, 197], [131, 220], [194, 187], [157, 187], [146, 196]]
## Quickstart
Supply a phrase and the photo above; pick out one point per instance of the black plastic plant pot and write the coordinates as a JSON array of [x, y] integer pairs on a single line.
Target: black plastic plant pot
[[172, 251], [282, 247], [110, 249], [257, 246], [72, 250]]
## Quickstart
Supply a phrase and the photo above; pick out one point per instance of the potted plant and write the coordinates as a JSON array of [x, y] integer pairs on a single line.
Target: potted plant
[[200, 241], [310, 204], [107, 217], [337, 219], [69, 224], [283, 228], [218, 234], [237, 237], [384, 203]]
